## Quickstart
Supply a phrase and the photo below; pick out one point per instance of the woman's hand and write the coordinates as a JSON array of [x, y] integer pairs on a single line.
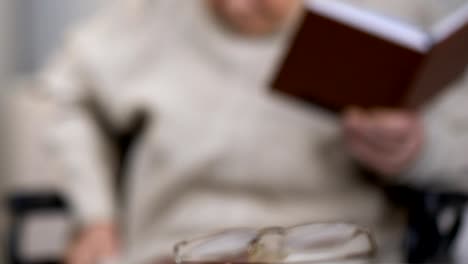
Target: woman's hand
[[386, 141], [95, 244]]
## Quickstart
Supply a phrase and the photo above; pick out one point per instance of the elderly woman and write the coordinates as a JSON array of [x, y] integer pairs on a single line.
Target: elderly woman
[[219, 149]]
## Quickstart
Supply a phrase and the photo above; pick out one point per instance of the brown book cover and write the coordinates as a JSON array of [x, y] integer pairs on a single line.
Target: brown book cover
[[346, 56]]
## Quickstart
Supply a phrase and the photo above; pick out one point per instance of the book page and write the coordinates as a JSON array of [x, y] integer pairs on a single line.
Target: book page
[[384, 26], [450, 23], [423, 14], [439, 18]]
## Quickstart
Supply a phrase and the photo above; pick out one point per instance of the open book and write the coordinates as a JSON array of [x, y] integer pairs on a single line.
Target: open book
[[344, 55]]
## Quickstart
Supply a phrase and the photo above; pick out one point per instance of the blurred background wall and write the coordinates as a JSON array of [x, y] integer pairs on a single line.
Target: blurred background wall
[[31, 29], [6, 38]]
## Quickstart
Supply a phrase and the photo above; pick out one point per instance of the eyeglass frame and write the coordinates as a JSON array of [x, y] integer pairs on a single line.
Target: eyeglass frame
[[259, 232]]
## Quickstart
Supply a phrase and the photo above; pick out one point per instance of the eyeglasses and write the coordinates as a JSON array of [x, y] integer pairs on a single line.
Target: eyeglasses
[[310, 243]]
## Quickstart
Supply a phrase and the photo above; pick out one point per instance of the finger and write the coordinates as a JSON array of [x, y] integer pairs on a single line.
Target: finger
[[411, 144], [73, 252], [383, 123], [386, 133], [70, 257], [356, 126], [352, 118], [373, 141], [80, 255], [110, 249], [409, 152], [385, 163], [367, 155], [394, 126]]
